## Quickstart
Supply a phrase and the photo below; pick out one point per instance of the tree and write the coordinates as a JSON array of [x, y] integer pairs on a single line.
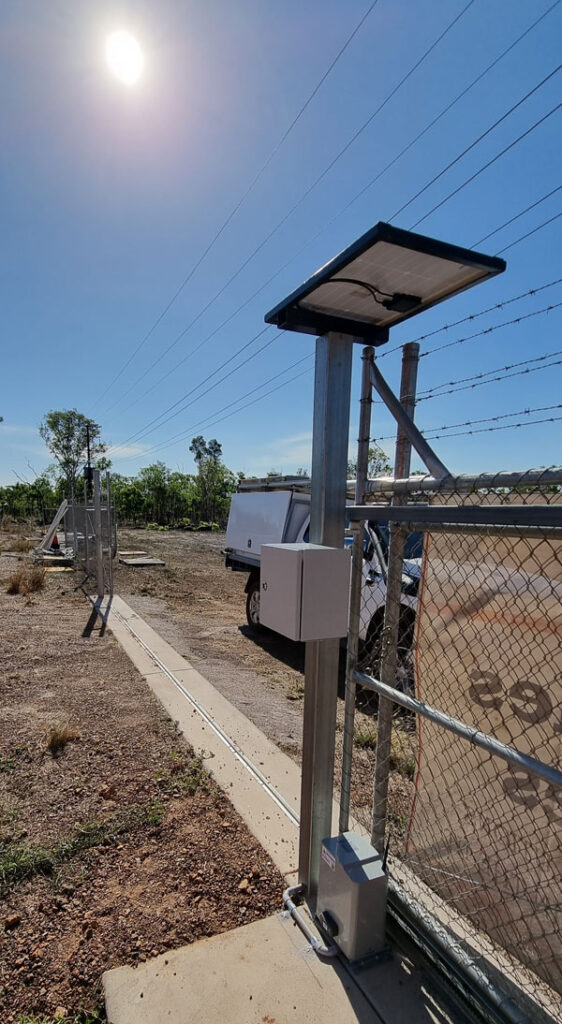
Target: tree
[[378, 464], [65, 432], [214, 483]]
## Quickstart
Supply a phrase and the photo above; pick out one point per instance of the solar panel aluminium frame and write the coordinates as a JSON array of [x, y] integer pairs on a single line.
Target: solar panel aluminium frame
[[289, 314]]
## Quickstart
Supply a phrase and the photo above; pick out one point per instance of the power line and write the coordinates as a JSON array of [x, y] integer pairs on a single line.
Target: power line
[[494, 159], [213, 421], [476, 141], [472, 423], [490, 330], [357, 196], [517, 216], [473, 316], [244, 196], [529, 233], [311, 187], [142, 431]]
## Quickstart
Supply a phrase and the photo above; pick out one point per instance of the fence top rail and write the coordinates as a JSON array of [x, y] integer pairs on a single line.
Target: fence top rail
[[487, 515], [531, 478]]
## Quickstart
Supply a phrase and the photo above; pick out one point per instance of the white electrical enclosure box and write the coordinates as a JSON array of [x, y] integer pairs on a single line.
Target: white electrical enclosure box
[[305, 590]]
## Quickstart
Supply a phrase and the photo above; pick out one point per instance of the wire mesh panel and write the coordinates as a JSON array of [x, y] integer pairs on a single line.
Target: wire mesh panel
[[80, 529], [480, 630]]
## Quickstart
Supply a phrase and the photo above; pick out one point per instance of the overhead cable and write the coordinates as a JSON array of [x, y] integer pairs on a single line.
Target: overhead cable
[[311, 187], [195, 426], [445, 110], [242, 199], [517, 216], [489, 163], [143, 431], [475, 142], [529, 233]]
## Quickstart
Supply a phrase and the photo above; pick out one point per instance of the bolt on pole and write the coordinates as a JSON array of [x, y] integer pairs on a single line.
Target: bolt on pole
[[332, 387], [389, 659]]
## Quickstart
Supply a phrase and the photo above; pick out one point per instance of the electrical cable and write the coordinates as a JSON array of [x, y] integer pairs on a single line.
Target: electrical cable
[[472, 423], [354, 199], [529, 233], [244, 196], [241, 398], [143, 431], [187, 432], [475, 142], [316, 182], [497, 157], [517, 216], [489, 163]]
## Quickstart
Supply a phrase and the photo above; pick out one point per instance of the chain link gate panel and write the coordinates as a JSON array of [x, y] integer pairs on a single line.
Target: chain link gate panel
[[472, 834]]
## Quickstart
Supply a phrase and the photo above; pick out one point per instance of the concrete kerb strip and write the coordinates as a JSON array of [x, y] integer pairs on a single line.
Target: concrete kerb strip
[[262, 783], [264, 971]]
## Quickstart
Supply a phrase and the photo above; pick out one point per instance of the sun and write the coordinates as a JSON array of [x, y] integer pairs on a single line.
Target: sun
[[124, 56]]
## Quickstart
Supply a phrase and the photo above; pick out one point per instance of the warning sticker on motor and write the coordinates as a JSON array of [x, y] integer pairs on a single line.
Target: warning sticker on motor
[[329, 858]]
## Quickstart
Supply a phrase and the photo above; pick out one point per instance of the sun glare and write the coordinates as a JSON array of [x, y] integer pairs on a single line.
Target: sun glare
[[124, 57]]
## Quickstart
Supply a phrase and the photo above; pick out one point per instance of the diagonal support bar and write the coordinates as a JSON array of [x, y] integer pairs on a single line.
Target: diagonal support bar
[[418, 441]]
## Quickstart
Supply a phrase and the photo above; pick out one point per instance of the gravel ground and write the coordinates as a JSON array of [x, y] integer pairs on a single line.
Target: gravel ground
[[119, 846]]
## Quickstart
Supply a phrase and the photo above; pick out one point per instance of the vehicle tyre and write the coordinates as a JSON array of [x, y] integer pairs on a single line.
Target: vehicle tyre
[[253, 605], [370, 653]]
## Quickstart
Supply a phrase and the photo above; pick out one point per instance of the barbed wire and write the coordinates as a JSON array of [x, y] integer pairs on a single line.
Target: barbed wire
[[488, 373], [472, 423], [474, 316], [488, 430], [492, 380], [490, 330]]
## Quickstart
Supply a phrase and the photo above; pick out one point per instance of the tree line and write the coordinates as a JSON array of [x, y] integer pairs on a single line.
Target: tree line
[[155, 495]]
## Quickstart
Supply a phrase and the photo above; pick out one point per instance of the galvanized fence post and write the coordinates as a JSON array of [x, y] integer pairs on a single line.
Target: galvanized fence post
[[109, 534], [98, 534], [389, 654], [356, 588]]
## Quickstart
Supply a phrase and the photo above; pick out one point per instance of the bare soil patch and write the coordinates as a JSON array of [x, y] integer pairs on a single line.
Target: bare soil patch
[[115, 845]]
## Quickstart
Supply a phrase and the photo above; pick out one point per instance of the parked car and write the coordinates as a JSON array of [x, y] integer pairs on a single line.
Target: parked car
[[262, 513]]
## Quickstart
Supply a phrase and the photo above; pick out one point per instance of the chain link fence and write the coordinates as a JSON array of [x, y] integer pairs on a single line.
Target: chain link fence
[[467, 785]]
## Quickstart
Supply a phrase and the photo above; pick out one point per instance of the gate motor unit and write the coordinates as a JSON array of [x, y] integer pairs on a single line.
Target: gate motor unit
[[352, 887]]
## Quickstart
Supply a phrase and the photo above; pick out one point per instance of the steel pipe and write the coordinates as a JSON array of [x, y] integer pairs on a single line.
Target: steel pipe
[[468, 732]]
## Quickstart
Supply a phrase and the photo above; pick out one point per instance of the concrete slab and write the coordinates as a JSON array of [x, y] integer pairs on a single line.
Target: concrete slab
[[141, 561], [258, 974], [260, 780], [132, 554]]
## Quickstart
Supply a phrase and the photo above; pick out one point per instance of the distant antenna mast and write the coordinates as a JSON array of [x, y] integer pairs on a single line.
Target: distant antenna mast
[[88, 471]]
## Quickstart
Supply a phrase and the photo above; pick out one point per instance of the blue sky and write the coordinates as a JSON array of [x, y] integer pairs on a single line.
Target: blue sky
[[111, 195]]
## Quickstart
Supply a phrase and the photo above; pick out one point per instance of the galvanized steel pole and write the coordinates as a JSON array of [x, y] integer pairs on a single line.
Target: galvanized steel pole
[[410, 358], [356, 587], [332, 386], [98, 533]]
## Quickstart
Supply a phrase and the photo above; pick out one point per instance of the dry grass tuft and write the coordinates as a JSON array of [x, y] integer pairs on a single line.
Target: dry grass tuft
[[26, 580], [21, 544], [58, 736]]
